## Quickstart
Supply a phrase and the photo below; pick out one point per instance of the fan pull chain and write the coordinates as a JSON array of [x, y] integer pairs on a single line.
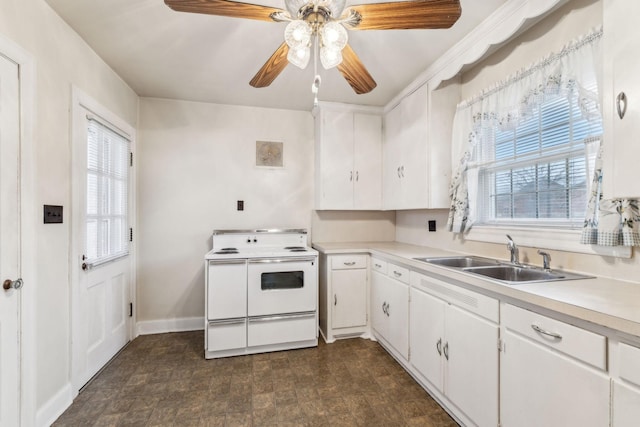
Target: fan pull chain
[[315, 87]]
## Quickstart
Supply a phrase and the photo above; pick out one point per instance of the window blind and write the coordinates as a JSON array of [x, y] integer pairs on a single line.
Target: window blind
[[107, 193], [536, 173]]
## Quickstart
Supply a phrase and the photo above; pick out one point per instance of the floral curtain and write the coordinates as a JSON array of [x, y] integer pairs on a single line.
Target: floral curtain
[[511, 102], [609, 222]]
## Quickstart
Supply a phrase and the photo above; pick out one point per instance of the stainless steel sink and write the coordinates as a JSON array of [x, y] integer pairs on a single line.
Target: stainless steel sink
[[502, 271], [512, 273], [460, 261]]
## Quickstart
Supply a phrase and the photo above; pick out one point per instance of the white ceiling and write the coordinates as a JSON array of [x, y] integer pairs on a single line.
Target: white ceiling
[[167, 54]]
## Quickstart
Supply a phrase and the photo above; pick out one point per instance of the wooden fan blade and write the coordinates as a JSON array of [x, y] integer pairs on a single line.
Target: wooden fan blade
[[408, 15], [224, 8], [272, 68], [355, 73]]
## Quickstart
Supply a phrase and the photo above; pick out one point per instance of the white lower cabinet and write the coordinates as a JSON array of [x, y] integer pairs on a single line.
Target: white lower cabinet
[[626, 388], [343, 296], [551, 373], [390, 305], [454, 347]]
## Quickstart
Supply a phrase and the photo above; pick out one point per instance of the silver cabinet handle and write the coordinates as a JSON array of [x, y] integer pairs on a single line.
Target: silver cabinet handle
[[397, 274], [439, 346], [621, 104], [357, 176], [388, 307], [445, 350], [399, 172], [349, 263], [545, 332], [335, 299], [402, 171], [227, 322], [378, 265], [351, 176]]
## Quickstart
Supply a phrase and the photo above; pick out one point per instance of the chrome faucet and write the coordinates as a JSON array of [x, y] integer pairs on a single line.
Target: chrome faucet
[[513, 249], [546, 258]]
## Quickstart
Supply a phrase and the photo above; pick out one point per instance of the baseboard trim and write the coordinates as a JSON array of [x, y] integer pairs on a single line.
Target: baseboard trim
[[149, 327], [54, 407]]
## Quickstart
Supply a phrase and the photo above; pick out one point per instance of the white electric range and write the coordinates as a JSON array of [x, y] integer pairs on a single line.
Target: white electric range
[[261, 292]]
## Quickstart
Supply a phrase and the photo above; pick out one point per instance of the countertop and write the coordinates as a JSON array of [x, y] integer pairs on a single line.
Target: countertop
[[613, 304]]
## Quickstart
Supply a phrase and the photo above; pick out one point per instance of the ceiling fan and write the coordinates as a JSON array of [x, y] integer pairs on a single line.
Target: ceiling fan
[[322, 24]]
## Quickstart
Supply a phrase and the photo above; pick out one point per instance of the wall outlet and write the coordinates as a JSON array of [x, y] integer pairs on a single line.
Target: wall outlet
[[240, 205], [52, 214], [432, 224]]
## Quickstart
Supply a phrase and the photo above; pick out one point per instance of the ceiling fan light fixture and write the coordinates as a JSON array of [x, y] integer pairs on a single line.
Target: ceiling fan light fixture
[[330, 57], [334, 35], [299, 56], [335, 7], [297, 34], [294, 7]]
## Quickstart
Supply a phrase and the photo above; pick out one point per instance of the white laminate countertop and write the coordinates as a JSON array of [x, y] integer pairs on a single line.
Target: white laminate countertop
[[610, 303]]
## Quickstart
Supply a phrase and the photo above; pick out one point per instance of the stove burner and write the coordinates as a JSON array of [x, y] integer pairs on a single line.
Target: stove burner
[[225, 251]]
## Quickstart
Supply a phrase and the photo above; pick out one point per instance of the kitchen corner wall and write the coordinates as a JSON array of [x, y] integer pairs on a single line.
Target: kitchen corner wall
[[195, 161], [574, 19], [353, 226]]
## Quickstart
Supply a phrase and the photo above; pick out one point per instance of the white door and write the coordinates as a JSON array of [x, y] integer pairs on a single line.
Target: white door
[[102, 296], [427, 335], [337, 160], [367, 153], [9, 244], [349, 298]]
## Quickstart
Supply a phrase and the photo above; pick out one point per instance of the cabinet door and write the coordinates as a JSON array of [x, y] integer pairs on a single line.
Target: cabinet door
[[378, 303], [392, 159], [426, 329], [226, 289], [621, 69], [398, 314], [349, 298], [336, 160], [626, 405], [414, 171], [367, 149], [551, 389], [471, 378]]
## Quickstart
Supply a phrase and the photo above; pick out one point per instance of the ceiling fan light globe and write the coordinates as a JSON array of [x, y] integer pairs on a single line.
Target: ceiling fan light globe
[[334, 35], [299, 57], [330, 57], [297, 34]]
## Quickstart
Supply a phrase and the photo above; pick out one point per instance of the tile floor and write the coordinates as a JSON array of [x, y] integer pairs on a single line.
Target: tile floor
[[164, 380]]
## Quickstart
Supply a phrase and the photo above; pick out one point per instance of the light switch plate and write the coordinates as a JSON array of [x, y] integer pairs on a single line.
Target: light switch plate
[[52, 214]]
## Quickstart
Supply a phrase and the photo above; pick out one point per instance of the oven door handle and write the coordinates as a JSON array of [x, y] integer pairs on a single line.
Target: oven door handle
[[227, 322], [281, 317], [277, 260], [227, 261]]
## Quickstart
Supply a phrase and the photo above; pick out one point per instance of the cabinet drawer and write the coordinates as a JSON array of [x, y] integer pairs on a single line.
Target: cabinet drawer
[[576, 342], [398, 273], [630, 363], [281, 329], [228, 334], [379, 265], [342, 262]]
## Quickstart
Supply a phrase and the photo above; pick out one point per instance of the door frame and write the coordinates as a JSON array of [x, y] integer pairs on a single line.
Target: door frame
[[80, 102], [28, 225]]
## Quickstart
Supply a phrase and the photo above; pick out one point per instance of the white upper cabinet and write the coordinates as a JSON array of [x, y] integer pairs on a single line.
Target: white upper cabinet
[[416, 149], [348, 160], [621, 98]]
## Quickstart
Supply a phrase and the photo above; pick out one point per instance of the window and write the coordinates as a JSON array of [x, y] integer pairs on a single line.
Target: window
[[536, 173], [107, 193]]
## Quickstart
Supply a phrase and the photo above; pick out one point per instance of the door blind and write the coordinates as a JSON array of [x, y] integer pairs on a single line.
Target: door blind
[[107, 193]]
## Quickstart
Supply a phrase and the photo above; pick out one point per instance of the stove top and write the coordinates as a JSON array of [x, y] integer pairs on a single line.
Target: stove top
[[247, 244]]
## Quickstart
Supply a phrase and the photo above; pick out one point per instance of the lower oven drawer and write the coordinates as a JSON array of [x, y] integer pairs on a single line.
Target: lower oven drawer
[[281, 329], [226, 334]]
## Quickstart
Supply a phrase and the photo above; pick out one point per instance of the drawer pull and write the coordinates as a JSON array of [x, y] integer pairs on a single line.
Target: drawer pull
[[397, 274], [439, 346], [621, 104], [378, 265], [445, 350], [349, 263], [547, 333]]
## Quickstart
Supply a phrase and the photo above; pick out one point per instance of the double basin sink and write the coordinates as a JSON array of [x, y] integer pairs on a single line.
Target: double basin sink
[[501, 271]]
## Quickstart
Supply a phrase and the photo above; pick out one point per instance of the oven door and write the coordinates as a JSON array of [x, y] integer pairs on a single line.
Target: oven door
[[283, 285]]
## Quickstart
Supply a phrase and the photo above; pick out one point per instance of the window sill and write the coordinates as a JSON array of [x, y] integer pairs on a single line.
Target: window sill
[[554, 239]]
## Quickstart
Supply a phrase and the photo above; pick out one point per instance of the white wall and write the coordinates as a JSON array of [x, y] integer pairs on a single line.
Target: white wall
[[195, 160], [353, 226], [62, 59], [569, 22]]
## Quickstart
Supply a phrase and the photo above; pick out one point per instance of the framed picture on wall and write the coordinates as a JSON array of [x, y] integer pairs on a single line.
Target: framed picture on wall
[[269, 154]]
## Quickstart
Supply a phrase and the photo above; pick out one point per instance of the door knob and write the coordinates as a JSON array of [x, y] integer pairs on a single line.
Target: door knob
[[12, 284]]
